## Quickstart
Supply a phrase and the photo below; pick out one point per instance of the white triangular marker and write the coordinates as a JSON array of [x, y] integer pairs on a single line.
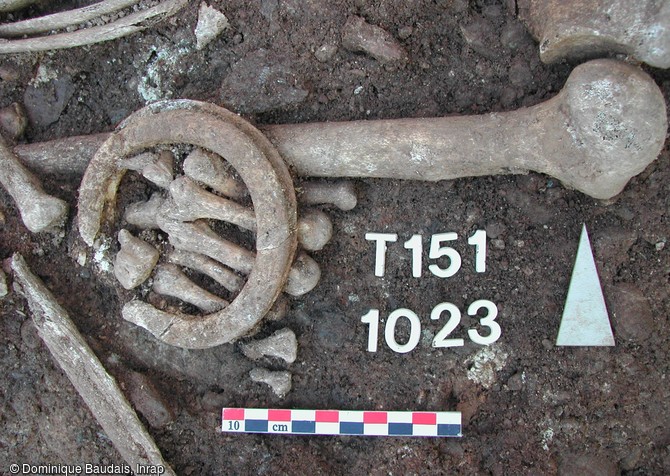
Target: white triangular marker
[[585, 320]]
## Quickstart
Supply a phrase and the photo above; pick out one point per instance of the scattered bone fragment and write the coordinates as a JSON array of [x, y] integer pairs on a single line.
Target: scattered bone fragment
[[314, 230], [282, 345], [359, 36], [303, 276], [11, 5], [279, 381], [144, 214], [97, 388], [207, 266], [577, 29], [211, 170], [126, 25], [13, 120], [342, 194], [39, 211], [170, 281], [3, 284], [211, 23], [147, 400], [190, 202], [160, 172], [135, 260]]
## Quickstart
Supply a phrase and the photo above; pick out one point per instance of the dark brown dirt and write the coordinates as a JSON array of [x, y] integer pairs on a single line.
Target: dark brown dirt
[[540, 409]]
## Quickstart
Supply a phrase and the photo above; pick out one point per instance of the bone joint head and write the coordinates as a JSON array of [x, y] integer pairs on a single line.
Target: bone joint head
[[578, 29], [135, 261]]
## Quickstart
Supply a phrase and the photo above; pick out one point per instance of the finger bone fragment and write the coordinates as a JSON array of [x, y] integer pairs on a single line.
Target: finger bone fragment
[[198, 237], [170, 281], [155, 167], [314, 230], [190, 202], [212, 171], [282, 345], [207, 266], [39, 210], [13, 120], [135, 260], [144, 214], [577, 29], [341, 194], [279, 381]]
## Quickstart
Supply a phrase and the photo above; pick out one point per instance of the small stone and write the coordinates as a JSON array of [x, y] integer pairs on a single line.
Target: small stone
[[515, 382], [325, 52], [29, 334], [282, 344], [45, 102], [405, 32], [135, 261], [212, 401], [360, 36], [633, 317], [3, 284], [477, 35], [494, 230], [519, 73], [279, 381], [660, 245], [593, 465], [260, 83], [147, 400], [513, 36], [498, 244], [211, 23], [8, 73]]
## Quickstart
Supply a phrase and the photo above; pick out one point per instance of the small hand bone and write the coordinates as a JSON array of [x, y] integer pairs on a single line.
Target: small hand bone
[[39, 211], [135, 260], [207, 266], [198, 237], [279, 381], [282, 344], [157, 168], [170, 281], [577, 29], [210, 170], [341, 194], [144, 214], [190, 202]]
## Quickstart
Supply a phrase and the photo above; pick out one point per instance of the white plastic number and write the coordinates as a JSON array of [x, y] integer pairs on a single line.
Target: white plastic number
[[414, 244], [414, 333], [478, 240], [437, 251], [372, 318], [440, 339], [488, 321]]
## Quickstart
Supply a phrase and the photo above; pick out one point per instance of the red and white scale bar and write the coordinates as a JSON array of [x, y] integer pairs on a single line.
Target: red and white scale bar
[[341, 422]]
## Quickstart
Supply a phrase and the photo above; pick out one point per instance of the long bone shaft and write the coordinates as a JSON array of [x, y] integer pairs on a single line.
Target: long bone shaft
[[605, 126]]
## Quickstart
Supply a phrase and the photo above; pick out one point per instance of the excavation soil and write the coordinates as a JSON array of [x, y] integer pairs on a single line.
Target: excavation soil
[[528, 406]]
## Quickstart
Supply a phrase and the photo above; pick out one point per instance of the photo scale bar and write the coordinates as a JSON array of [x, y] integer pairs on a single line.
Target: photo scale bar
[[341, 422]]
